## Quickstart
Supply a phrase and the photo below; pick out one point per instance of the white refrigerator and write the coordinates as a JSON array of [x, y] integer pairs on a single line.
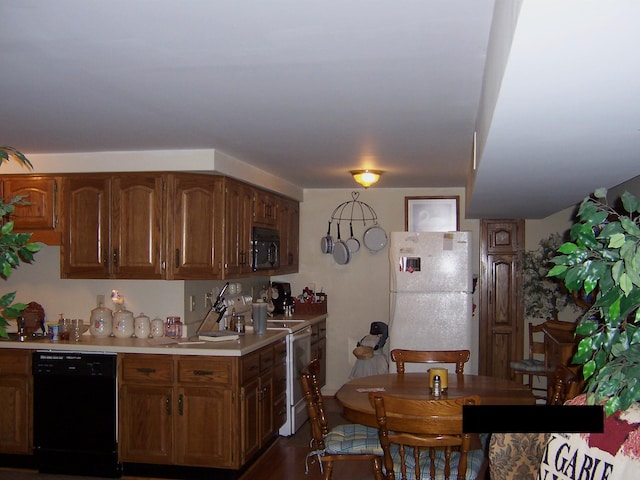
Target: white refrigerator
[[431, 294]]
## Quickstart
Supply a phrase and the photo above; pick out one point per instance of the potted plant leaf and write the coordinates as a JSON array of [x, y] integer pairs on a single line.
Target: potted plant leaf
[[544, 297], [14, 247], [602, 260]]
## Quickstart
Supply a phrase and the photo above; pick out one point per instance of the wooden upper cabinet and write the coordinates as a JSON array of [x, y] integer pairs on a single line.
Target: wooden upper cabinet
[[266, 208], [289, 227], [239, 200], [41, 215], [171, 226], [137, 216], [113, 226], [196, 222], [86, 247]]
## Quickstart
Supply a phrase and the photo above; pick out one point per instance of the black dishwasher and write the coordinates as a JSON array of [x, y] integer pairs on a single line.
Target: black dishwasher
[[74, 413]]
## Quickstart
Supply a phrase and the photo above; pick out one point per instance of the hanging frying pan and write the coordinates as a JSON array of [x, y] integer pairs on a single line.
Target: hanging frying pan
[[326, 243], [375, 238], [341, 253], [353, 244]]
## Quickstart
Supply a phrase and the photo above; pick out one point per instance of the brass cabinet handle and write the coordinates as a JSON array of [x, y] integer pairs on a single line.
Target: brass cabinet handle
[[168, 404], [146, 370], [203, 372], [115, 257], [177, 257], [181, 404]]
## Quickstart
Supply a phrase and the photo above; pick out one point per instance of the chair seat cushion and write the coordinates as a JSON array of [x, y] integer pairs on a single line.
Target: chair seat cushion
[[475, 460], [534, 366], [352, 438]]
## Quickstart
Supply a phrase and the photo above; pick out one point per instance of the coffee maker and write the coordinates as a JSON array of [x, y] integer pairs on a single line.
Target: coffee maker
[[284, 298]]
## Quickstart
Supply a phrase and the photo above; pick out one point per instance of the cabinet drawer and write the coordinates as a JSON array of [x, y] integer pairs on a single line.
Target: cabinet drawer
[[266, 359], [147, 368], [280, 352], [279, 379], [250, 366], [204, 370], [15, 362]]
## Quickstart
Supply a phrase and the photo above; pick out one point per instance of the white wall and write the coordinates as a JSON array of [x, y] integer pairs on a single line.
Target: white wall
[[358, 292]]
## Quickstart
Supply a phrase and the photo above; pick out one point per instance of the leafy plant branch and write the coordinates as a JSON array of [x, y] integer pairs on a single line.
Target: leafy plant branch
[[603, 258]]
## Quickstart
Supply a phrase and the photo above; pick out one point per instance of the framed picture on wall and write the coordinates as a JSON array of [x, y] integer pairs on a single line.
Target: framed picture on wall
[[431, 214]]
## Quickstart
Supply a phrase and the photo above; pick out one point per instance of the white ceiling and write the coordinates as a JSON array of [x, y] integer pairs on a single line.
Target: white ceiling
[[310, 90]]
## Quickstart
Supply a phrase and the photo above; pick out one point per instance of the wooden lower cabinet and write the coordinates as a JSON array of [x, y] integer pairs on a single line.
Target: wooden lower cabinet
[[196, 411], [319, 348], [15, 402], [260, 395]]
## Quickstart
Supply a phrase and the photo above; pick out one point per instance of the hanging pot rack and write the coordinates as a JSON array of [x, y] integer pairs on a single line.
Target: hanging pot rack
[[354, 210]]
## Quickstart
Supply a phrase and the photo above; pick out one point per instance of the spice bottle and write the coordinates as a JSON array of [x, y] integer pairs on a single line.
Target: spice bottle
[[437, 389]]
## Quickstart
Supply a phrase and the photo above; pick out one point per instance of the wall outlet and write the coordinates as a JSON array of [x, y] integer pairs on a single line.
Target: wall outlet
[[192, 303]]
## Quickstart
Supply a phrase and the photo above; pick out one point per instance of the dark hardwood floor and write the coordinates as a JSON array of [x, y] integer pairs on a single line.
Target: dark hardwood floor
[[283, 460]]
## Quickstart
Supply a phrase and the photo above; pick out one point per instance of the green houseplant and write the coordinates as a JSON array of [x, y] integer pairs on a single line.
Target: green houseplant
[[544, 297], [14, 247], [602, 262]]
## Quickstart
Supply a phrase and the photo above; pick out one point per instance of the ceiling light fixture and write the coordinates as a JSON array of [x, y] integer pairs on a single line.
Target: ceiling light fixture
[[367, 177]]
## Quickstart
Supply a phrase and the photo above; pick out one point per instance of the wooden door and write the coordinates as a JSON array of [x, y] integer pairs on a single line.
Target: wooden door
[[86, 248], [145, 421], [204, 431], [195, 250], [501, 306], [239, 199], [137, 233]]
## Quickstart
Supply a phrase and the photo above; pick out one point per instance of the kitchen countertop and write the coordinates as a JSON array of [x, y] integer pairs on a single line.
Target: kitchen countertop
[[247, 343], [163, 345]]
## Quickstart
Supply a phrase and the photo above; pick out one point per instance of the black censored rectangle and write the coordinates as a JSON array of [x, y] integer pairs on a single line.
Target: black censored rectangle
[[532, 419]]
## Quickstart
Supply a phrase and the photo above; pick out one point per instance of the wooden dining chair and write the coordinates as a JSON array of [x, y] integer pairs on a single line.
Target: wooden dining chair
[[533, 366], [424, 438], [566, 383], [459, 357], [343, 442]]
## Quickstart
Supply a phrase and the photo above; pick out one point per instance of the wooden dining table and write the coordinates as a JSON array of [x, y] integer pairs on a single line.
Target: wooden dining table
[[354, 395]]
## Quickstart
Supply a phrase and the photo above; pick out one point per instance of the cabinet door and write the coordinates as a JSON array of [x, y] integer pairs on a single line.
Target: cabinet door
[[266, 208], [250, 419], [15, 399], [85, 251], [145, 423], [289, 227], [204, 429], [40, 216], [137, 213], [237, 234], [501, 312], [265, 404], [195, 250]]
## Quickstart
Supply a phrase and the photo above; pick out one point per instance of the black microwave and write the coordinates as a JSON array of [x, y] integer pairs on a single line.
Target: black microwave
[[265, 249]]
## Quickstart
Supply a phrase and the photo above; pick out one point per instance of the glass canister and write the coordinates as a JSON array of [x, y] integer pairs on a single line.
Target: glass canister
[[123, 326], [142, 326], [101, 321]]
